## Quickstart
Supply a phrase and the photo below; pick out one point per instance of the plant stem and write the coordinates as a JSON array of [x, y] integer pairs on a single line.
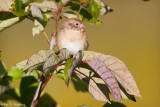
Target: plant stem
[[46, 36], [49, 77], [37, 93], [57, 18]]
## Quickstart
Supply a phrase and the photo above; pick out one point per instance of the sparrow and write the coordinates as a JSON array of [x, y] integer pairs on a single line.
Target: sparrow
[[72, 36]]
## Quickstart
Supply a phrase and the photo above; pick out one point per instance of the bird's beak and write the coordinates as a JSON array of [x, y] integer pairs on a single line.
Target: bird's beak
[[83, 25]]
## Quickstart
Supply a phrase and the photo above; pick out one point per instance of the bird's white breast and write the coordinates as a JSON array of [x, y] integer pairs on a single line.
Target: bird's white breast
[[73, 47]]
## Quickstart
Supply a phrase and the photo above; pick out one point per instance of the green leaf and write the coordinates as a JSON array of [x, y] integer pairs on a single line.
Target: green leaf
[[74, 5], [45, 17], [2, 66], [10, 94], [84, 15], [18, 9], [0, 55], [67, 66], [5, 16], [114, 104], [15, 73], [70, 14], [28, 87], [60, 75], [78, 84], [46, 101], [94, 9]]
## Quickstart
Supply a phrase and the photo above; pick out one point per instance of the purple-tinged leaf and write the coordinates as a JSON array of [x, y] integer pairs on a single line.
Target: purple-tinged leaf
[[118, 69], [106, 75], [37, 59], [55, 59], [21, 64], [36, 12], [5, 5], [46, 5], [95, 85]]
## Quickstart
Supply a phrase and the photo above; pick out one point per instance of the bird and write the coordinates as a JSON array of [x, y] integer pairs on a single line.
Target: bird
[[72, 36]]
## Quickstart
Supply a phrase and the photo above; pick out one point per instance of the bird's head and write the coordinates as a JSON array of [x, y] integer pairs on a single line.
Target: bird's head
[[74, 24]]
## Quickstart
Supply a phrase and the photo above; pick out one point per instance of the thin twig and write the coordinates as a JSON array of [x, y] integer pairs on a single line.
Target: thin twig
[[36, 96], [46, 36], [58, 16]]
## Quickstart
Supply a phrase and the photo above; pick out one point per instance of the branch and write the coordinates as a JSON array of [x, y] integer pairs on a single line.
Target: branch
[[5, 11], [37, 93], [46, 37], [58, 16]]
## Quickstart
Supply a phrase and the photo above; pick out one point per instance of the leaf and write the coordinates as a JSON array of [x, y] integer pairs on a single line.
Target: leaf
[[15, 73], [27, 1], [84, 15], [60, 75], [99, 67], [36, 11], [72, 66], [38, 27], [37, 59], [54, 60], [114, 104], [78, 84], [5, 5], [9, 22], [65, 1], [94, 9], [2, 66], [83, 106], [125, 95], [70, 14], [67, 66], [73, 5], [105, 9], [46, 101], [21, 64], [95, 85], [10, 94], [18, 9], [46, 5], [118, 69], [5, 16], [28, 87]]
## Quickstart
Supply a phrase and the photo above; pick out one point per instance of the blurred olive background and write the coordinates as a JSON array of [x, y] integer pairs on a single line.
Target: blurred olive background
[[130, 33]]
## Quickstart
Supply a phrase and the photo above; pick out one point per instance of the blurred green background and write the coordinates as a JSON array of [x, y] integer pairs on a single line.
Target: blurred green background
[[130, 33]]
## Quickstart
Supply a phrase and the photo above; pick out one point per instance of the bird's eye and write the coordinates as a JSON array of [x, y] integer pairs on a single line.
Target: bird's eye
[[77, 24]]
